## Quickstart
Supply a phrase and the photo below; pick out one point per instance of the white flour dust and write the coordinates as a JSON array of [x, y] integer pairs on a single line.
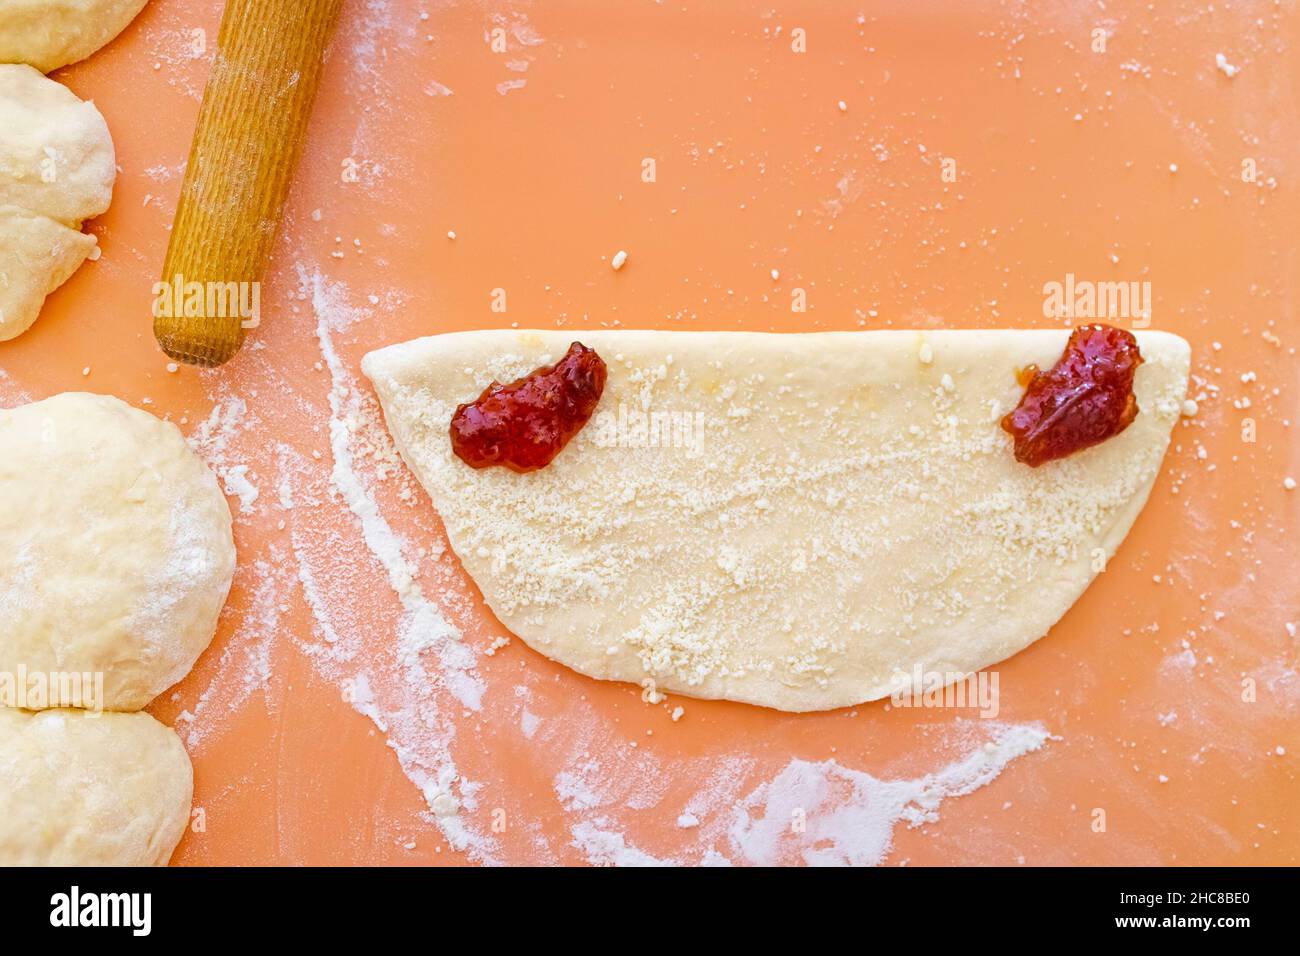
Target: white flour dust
[[212, 439], [423, 626], [10, 394], [815, 813], [511, 34], [826, 814], [244, 668], [610, 848], [432, 676]]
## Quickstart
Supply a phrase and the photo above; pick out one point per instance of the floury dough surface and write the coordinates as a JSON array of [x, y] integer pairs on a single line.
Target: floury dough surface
[[48, 34], [116, 553], [57, 170], [850, 511], [79, 789]]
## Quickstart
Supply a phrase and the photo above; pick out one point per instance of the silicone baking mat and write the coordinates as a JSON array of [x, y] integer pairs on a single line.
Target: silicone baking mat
[[906, 164]]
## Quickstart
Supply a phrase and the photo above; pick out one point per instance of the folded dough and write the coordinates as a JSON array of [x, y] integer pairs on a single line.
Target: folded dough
[[813, 516]]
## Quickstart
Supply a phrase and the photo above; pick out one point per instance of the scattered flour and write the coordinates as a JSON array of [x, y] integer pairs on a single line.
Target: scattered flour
[[609, 848], [235, 480], [512, 35], [816, 813], [212, 436], [827, 814], [1224, 66], [424, 626], [10, 394], [212, 439], [244, 667], [409, 709]]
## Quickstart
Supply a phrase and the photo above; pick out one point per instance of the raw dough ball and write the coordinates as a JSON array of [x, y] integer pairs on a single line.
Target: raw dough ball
[[80, 789], [115, 546], [56, 170], [49, 34]]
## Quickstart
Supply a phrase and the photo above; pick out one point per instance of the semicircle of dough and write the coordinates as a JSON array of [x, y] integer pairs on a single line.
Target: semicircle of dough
[[84, 789], [57, 169], [48, 34], [116, 553], [792, 520]]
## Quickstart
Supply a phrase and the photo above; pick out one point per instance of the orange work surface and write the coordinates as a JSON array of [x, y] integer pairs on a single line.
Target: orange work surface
[[907, 164]]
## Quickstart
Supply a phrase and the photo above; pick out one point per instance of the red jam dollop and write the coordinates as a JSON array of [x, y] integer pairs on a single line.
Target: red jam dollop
[[1082, 400], [524, 425]]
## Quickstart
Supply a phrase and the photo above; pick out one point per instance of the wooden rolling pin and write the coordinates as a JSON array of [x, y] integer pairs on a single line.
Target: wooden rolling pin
[[250, 131]]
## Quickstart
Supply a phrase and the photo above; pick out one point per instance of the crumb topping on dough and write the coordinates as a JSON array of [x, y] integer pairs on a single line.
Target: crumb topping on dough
[[834, 521]]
